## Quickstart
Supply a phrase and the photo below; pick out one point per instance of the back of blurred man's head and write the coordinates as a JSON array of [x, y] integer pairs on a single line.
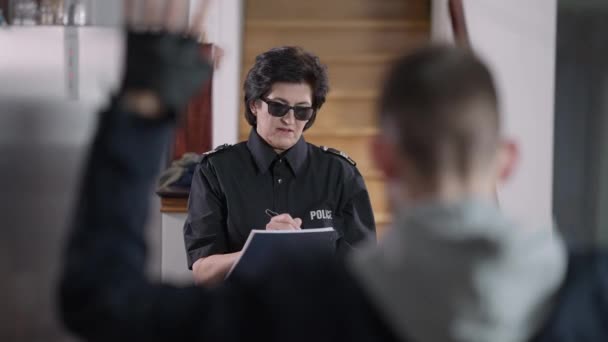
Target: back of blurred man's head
[[441, 126]]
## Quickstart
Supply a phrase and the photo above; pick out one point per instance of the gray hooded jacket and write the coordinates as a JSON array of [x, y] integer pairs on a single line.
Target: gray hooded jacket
[[462, 272]]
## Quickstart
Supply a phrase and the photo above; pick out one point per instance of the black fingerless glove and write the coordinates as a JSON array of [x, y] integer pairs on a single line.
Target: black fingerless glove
[[172, 66]]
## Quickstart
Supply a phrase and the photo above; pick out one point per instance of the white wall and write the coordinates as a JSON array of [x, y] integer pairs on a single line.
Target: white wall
[[224, 29], [517, 40], [174, 266]]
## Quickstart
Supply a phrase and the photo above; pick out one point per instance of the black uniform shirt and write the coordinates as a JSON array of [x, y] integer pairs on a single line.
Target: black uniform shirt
[[234, 185]]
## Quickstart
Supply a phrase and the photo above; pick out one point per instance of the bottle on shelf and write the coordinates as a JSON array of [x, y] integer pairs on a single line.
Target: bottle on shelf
[[75, 12], [25, 12]]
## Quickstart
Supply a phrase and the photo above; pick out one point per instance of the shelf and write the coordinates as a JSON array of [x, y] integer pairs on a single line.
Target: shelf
[[173, 205]]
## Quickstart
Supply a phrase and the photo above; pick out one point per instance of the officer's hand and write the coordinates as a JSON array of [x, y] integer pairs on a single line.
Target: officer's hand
[[284, 222], [164, 65]]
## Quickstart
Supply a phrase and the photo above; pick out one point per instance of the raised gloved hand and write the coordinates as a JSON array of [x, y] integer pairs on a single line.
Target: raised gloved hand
[[165, 65]]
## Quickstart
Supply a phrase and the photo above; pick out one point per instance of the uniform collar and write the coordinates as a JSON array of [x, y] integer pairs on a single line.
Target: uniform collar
[[264, 155]]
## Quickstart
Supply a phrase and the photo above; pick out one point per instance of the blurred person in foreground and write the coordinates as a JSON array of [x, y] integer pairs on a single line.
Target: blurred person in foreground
[[452, 267]]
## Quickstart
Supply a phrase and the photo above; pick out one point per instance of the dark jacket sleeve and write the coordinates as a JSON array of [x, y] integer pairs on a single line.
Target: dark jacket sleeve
[[309, 296], [581, 306], [205, 226], [103, 293], [355, 220]]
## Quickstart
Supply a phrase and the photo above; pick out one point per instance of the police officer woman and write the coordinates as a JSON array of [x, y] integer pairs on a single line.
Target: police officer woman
[[275, 179]]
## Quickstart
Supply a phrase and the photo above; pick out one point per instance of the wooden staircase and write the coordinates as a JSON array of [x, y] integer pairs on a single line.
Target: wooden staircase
[[356, 39]]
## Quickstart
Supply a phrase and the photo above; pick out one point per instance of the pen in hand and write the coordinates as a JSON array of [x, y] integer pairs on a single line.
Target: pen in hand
[[271, 213], [286, 222]]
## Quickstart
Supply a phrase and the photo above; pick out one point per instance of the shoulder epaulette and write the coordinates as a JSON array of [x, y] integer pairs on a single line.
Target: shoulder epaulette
[[338, 153], [216, 150]]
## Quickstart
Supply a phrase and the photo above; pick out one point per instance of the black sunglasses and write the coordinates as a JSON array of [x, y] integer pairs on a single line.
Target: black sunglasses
[[279, 110]]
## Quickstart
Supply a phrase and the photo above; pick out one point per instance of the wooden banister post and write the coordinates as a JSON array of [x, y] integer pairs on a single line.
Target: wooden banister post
[[459, 23]]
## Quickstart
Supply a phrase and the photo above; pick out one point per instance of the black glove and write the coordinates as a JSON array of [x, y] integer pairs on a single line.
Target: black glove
[[170, 65]]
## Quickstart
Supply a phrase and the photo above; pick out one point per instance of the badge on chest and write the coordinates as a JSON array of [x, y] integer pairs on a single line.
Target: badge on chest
[[322, 214]]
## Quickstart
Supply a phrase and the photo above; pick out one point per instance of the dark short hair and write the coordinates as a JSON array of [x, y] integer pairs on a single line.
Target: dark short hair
[[288, 64], [441, 102]]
